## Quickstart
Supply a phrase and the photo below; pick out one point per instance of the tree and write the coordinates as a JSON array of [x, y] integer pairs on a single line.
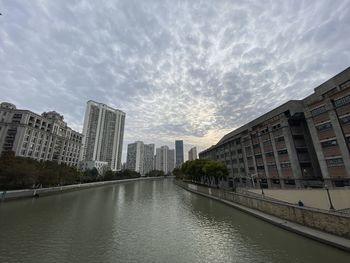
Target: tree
[[201, 170], [155, 173]]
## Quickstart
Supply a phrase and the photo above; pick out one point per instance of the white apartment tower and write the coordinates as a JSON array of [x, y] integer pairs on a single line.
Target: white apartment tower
[[148, 158], [192, 154], [135, 156], [165, 159], [140, 157], [103, 134]]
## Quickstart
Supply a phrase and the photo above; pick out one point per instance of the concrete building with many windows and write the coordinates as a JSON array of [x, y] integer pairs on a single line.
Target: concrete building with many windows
[[41, 137], [192, 154], [135, 157], [164, 159], [140, 157], [103, 134], [299, 144], [101, 167], [327, 112], [148, 158]]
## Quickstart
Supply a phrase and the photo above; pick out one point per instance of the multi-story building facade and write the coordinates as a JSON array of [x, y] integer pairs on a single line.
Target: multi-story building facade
[[41, 137], [103, 134], [135, 157], [148, 158], [192, 154], [140, 157], [101, 167], [170, 161], [164, 159], [179, 152], [327, 112], [301, 143]]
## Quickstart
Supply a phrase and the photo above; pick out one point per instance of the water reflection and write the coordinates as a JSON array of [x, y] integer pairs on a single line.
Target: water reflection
[[146, 221]]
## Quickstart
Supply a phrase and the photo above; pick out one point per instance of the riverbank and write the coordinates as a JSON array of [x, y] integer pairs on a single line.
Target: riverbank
[[288, 215], [30, 193]]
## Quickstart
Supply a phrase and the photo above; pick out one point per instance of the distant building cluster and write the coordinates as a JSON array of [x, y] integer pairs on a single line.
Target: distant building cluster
[[144, 158], [47, 137], [301, 143]]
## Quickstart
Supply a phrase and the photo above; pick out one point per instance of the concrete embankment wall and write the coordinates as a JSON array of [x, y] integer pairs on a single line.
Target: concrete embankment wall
[[316, 198], [16, 194], [330, 222]]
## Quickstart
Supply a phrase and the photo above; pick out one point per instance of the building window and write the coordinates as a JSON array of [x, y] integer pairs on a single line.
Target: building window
[[342, 101], [345, 120], [345, 84], [335, 162], [282, 152], [329, 143], [277, 126], [267, 143], [269, 154], [285, 165], [272, 166], [280, 139], [325, 126], [318, 111]]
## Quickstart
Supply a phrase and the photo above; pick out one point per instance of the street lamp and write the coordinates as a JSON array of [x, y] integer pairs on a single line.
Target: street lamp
[[262, 189], [331, 207]]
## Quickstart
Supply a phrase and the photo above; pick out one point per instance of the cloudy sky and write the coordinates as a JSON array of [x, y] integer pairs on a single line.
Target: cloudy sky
[[191, 70]]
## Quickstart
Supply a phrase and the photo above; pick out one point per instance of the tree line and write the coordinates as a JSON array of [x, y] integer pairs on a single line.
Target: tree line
[[202, 171], [23, 173]]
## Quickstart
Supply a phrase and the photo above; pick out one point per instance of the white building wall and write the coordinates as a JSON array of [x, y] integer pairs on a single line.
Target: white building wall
[[103, 134]]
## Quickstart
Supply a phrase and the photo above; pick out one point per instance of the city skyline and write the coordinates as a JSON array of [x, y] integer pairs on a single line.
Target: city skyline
[[185, 70]]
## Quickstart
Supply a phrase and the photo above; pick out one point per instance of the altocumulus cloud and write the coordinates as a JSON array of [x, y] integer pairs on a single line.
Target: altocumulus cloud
[[191, 70]]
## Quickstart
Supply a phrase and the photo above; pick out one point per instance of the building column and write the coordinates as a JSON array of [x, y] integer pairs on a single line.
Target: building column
[[341, 140], [292, 152], [318, 148], [279, 169], [265, 163]]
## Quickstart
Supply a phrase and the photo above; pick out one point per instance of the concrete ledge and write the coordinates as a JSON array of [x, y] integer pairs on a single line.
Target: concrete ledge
[[29, 193], [323, 237]]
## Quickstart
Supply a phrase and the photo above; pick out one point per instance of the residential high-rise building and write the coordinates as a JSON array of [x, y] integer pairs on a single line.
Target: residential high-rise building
[[135, 157], [164, 159], [170, 161], [192, 154], [301, 143], [140, 157], [103, 134], [148, 158], [179, 152], [41, 137]]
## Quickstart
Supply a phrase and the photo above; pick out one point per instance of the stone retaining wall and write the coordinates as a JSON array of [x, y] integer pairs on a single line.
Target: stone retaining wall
[[330, 222], [15, 194]]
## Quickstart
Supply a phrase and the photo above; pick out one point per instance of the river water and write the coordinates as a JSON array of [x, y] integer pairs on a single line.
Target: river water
[[145, 221]]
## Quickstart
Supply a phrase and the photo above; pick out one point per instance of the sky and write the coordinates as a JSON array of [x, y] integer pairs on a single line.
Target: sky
[[190, 70]]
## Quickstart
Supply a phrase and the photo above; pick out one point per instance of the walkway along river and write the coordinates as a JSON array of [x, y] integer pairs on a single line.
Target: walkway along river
[[145, 221]]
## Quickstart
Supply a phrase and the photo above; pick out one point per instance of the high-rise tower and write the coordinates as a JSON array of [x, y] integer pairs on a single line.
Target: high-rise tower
[[103, 134], [179, 153]]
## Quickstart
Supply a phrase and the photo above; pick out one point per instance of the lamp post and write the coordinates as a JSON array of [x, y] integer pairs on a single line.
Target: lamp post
[[331, 207], [261, 187]]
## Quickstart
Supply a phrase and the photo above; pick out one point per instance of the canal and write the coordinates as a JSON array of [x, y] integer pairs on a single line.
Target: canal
[[145, 221]]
